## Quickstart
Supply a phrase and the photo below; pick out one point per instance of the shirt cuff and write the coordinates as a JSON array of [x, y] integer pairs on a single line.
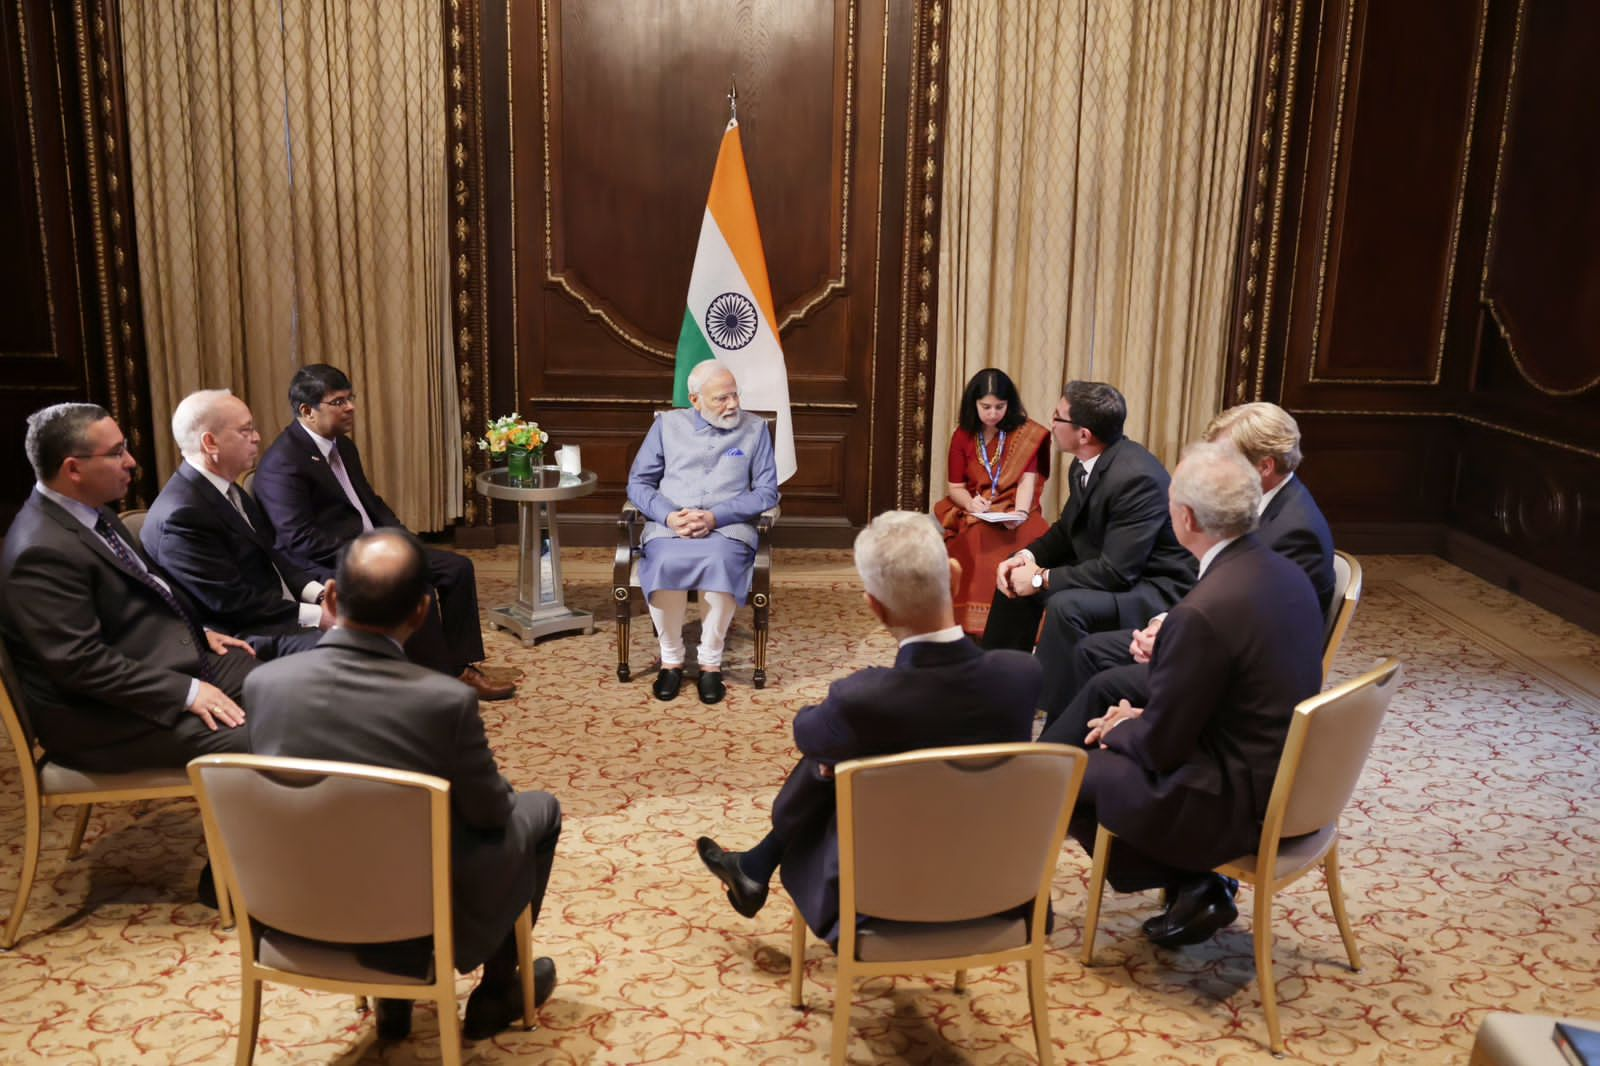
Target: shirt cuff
[[312, 593], [194, 693], [310, 615]]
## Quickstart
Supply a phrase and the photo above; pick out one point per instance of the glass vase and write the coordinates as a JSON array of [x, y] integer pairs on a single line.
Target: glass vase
[[520, 463]]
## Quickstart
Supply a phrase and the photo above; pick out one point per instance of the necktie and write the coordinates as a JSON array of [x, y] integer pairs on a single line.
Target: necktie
[[136, 566], [1080, 478], [336, 464], [236, 497]]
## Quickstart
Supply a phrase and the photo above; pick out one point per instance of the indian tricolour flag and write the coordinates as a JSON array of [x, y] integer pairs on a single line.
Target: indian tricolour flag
[[730, 317]]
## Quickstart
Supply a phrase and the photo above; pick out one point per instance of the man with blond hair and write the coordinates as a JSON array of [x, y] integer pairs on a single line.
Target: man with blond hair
[[1183, 779], [1107, 667], [213, 537], [942, 690]]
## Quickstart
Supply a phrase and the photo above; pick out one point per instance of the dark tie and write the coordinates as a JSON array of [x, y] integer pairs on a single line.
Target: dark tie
[[1080, 478], [138, 569], [236, 498]]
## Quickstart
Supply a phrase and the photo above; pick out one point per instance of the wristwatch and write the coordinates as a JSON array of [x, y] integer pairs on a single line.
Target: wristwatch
[[1038, 579]]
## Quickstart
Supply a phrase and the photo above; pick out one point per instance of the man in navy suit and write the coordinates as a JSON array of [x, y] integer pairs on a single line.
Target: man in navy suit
[[217, 542], [943, 690], [119, 674], [313, 488], [1183, 780], [1109, 561], [1112, 666]]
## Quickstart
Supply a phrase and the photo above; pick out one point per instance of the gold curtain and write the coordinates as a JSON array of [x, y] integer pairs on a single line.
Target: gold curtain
[[1092, 180], [211, 204], [289, 185]]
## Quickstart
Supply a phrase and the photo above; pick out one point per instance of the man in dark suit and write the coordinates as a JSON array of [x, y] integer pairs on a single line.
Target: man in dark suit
[[1184, 781], [1114, 665], [1109, 561], [117, 671], [217, 542], [943, 690], [314, 490], [355, 698]]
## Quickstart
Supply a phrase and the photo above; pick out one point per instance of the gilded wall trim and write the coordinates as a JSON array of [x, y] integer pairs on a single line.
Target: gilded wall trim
[[1251, 269], [1472, 420], [1495, 314], [1280, 188], [468, 248], [33, 160]]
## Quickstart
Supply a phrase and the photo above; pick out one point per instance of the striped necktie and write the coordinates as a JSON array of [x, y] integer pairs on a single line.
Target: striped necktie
[[136, 566]]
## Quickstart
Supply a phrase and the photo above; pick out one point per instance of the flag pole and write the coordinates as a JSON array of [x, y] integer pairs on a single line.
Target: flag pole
[[733, 98]]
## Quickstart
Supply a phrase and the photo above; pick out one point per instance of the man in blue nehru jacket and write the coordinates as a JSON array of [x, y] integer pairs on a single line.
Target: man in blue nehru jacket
[[701, 478]]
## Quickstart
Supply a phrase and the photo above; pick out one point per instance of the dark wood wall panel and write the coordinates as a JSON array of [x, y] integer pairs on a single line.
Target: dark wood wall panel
[[615, 114], [1427, 300]]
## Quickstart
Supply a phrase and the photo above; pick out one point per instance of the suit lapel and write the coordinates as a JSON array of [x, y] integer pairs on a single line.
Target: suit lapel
[[92, 540], [324, 473], [218, 504], [1280, 501]]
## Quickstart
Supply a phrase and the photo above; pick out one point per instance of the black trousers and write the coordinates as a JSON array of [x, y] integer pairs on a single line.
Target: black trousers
[[161, 747], [451, 638], [1069, 616], [1130, 682]]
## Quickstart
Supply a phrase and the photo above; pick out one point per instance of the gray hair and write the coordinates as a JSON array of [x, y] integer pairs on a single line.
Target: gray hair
[[195, 414], [59, 431], [901, 558], [701, 371], [1220, 486]]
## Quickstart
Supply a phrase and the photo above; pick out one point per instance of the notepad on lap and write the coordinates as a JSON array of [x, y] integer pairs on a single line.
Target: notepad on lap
[[1001, 516], [1580, 1045]]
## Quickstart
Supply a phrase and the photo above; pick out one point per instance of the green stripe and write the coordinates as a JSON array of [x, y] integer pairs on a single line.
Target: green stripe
[[692, 349]]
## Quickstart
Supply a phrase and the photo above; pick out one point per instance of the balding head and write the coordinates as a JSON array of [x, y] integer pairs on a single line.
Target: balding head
[[382, 583]]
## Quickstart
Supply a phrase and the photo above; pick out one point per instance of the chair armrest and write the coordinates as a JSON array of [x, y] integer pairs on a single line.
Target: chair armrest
[[630, 525], [768, 518]]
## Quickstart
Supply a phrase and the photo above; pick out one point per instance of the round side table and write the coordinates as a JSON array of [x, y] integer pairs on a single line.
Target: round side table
[[539, 611]]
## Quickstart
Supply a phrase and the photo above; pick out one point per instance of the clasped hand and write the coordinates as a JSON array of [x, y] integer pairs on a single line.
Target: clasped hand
[[1143, 643], [691, 523], [1015, 577], [1114, 716]]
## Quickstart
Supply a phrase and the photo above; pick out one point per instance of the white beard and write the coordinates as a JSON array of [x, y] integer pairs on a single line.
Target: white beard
[[727, 421]]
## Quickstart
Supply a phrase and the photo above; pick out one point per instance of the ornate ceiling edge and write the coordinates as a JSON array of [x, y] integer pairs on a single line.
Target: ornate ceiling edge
[[469, 250], [110, 196], [919, 280]]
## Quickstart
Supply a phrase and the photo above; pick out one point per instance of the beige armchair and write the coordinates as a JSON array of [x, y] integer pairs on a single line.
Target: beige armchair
[[321, 857], [1346, 597], [46, 785], [134, 520], [1002, 812], [1326, 750]]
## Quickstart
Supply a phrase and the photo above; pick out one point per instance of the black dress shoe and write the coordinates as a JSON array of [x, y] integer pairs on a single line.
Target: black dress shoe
[[1199, 910], [491, 1008], [1152, 927], [745, 893], [711, 687], [205, 890], [667, 683], [394, 1019]]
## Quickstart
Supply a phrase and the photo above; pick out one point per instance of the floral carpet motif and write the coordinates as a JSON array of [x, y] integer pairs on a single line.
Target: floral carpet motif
[[1470, 869]]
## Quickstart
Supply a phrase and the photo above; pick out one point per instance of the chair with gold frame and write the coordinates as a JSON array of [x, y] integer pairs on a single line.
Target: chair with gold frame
[[1346, 597], [134, 520], [321, 857], [47, 785], [938, 901], [1327, 747]]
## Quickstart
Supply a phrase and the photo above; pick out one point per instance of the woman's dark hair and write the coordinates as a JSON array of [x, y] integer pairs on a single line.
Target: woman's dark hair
[[990, 382]]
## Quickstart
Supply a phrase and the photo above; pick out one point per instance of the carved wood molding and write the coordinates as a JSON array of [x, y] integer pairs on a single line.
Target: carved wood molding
[[469, 250], [104, 116], [919, 283]]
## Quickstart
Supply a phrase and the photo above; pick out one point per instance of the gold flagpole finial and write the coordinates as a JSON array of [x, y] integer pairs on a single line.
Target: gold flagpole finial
[[733, 98]]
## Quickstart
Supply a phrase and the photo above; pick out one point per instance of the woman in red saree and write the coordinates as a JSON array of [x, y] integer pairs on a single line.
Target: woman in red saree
[[999, 460]]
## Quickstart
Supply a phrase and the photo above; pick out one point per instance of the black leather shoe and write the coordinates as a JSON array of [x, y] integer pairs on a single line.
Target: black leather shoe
[[205, 890], [491, 1008], [1199, 910], [667, 683], [1152, 927], [394, 1019], [745, 893], [711, 687]]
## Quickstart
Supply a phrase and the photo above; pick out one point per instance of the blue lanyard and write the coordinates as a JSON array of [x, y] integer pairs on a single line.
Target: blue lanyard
[[992, 469]]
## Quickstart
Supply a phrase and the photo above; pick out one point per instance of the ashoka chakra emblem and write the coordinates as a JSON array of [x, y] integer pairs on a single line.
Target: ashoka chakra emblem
[[731, 321]]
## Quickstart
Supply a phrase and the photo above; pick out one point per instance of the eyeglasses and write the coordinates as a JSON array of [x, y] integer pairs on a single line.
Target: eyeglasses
[[114, 453], [341, 402], [1063, 421]]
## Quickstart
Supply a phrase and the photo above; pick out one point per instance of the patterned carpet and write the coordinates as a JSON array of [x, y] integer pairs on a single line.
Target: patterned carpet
[[1471, 870]]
